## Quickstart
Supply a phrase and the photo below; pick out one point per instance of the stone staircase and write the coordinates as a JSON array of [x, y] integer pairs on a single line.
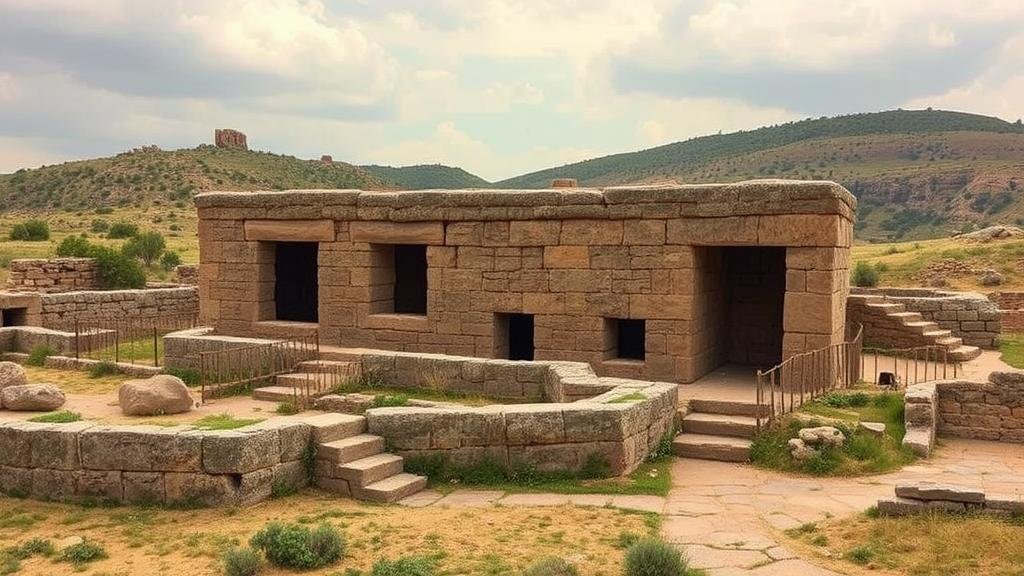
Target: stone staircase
[[352, 463], [717, 430], [890, 324], [318, 372]]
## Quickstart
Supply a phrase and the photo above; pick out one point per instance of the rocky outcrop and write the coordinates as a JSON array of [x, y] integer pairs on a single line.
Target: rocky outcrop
[[32, 398], [161, 394], [228, 138]]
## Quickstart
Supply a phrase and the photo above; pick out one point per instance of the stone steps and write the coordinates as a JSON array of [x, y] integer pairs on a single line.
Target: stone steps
[[328, 367], [349, 449], [720, 425], [727, 407], [274, 393], [920, 332], [710, 447], [300, 379], [371, 469], [391, 489]]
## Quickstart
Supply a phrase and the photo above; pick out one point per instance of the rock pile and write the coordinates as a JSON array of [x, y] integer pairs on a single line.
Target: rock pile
[[812, 439], [925, 497]]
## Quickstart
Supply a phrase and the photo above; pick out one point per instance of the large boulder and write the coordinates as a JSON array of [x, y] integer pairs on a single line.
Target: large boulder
[[155, 396], [12, 374], [822, 436], [32, 397]]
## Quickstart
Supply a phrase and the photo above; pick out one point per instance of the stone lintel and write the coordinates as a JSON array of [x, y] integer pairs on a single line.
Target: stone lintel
[[289, 230]]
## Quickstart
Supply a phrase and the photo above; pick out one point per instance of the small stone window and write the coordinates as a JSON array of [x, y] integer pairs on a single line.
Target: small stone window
[[629, 337], [399, 279], [14, 317], [513, 336]]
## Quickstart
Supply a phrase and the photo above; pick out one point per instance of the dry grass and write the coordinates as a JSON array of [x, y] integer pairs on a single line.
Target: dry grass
[[489, 540], [930, 545], [902, 262], [74, 381]]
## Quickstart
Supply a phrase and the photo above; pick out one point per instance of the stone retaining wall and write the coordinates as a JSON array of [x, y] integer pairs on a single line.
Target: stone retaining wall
[[1011, 310], [992, 410], [182, 348], [85, 461], [187, 274], [969, 316], [53, 275], [62, 310], [589, 420], [921, 417]]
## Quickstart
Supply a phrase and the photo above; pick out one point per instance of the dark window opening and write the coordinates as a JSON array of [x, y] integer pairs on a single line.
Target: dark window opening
[[410, 279], [14, 317], [513, 336], [295, 281], [630, 338]]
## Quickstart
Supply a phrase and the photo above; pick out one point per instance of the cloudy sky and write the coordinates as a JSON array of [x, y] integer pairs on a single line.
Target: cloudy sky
[[499, 87]]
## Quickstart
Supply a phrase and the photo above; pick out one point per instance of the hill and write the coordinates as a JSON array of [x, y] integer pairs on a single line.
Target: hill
[[427, 176], [918, 174], [144, 178]]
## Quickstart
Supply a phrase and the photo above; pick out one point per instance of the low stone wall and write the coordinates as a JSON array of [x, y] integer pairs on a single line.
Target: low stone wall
[[187, 274], [84, 461], [589, 420], [25, 338], [921, 418], [969, 316], [182, 348], [53, 275], [992, 410], [61, 310], [70, 363], [1011, 310], [19, 309]]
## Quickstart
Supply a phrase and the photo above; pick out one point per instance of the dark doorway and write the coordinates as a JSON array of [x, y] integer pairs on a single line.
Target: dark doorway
[[410, 279], [630, 338], [14, 317], [513, 336], [755, 293], [295, 286]]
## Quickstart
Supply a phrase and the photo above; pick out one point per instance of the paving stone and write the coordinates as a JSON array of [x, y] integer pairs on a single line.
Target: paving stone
[[707, 557]]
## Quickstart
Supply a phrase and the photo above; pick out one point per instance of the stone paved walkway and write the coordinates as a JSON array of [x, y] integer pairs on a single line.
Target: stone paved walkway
[[728, 516]]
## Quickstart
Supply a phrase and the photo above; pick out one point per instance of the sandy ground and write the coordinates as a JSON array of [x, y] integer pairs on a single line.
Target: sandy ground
[[469, 540]]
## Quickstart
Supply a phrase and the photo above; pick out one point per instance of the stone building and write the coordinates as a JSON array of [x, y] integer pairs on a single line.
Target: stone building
[[653, 283]]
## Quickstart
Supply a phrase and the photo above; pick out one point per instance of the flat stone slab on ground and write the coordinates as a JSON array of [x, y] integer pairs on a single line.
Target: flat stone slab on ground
[[948, 492]]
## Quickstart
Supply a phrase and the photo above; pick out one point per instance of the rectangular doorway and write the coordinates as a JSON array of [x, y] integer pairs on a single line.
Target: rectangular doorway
[[513, 336], [14, 317], [296, 281], [754, 282]]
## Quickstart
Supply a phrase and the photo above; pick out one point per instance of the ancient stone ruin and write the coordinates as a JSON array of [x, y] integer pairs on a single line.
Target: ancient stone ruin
[[228, 138]]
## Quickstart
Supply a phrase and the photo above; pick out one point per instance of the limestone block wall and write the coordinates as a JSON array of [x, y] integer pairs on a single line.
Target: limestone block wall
[[970, 316], [992, 410], [182, 348], [575, 259], [53, 275], [85, 461], [187, 274], [61, 310], [1011, 310], [921, 418]]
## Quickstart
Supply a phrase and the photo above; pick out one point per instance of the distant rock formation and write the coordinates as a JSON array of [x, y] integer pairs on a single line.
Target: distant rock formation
[[145, 149], [326, 159], [228, 138]]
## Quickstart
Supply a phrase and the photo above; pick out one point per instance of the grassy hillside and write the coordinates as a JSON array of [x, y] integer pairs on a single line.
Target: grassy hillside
[[427, 176], [160, 178], [918, 174]]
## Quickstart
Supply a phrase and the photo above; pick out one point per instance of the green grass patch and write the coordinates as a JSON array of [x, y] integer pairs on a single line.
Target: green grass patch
[[862, 453], [628, 398], [59, 417], [1011, 348], [224, 422]]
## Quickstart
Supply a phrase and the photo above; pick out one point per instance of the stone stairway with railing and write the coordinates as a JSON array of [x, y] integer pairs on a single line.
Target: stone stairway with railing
[[350, 462], [891, 325], [717, 430], [318, 375]]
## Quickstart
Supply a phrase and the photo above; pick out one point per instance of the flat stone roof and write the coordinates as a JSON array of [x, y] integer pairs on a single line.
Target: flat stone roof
[[694, 200]]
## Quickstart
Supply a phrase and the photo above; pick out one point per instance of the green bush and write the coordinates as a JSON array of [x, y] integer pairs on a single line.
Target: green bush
[[74, 247], [82, 553], [101, 369], [38, 355], [33, 230], [650, 557], [241, 562], [147, 246], [405, 566], [170, 260], [864, 275], [841, 400], [99, 226], [189, 376], [117, 270], [122, 230], [294, 546], [552, 566], [287, 408]]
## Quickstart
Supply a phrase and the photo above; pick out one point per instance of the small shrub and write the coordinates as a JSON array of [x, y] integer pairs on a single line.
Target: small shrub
[[189, 376], [38, 355], [33, 230], [147, 246], [170, 260], [825, 462], [241, 562], [99, 226], [101, 369], [295, 546], [287, 408], [840, 400], [552, 566], [74, 247], [82, 553], [864, 275], [390, 400], [404, 566], [32, 547], [122, 230], [860, 555], [60, 417], [626, 539], [104, 210], [117, 270], [650, 557]]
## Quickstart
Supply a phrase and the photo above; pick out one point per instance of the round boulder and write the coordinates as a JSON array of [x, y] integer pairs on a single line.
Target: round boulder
[[12, 374], [801, 451], [822, 436], [155, 396], [32, 397]]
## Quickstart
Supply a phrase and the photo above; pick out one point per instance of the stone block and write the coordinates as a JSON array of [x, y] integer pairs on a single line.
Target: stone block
[[186, 488], [233, 452], [15, 481], [143, 487], [255, 486], [534, 232], [397, 232], [140, 449], [290, 230], [57, 447], [100, 485], [591, 232], [291, 475], [59, 485], [534, 424], [928, 491]]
